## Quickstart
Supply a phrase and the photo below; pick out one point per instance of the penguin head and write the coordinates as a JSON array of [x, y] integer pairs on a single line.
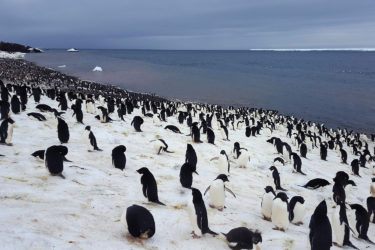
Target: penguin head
[[189, 147], [122, 148], [269, 189], [62, 149], [222, 177], [299, 199], [373, 179], [282, 196], [143, 170], [272, 168], [257, 237], [236, 146], [222, 152], [88, 128], [341, 177]]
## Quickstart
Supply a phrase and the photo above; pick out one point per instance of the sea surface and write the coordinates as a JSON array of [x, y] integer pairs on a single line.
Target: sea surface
[[333, 87]]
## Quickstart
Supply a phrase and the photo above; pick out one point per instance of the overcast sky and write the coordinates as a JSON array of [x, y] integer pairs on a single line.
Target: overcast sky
[[189, 24]]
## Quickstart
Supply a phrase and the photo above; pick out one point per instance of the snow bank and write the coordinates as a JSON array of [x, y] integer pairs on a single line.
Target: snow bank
[[97, 68], [16, 55]]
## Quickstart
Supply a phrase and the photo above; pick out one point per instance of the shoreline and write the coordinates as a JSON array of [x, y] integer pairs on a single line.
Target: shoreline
[[87, 86]]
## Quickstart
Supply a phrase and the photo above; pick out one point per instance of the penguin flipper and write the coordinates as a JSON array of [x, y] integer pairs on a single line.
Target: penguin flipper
[[160, 203], [213, 233], [208, 188], [230, 191]]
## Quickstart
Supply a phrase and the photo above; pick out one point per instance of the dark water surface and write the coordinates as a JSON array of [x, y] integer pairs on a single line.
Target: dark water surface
[[334, 87]]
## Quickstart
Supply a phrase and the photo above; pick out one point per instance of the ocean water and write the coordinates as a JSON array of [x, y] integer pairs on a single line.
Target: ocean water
[[333, 87]]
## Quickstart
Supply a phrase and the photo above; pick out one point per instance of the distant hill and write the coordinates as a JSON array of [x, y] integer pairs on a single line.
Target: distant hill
[[15, 47]]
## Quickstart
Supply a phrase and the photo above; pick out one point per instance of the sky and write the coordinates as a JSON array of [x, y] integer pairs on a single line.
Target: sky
[[189, 24]]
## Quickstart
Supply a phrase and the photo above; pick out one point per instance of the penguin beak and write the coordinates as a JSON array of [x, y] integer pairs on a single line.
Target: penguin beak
[[196, 172]]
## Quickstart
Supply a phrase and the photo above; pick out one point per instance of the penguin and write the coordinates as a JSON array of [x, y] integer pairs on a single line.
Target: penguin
[[303, 150], [340, 226], [297, 163], [223, 164], [280, 214], [160, 145], [320, 235], [39, 155], [149, 187], [355, 167], [137, 122], [118, 157], [173, 129], [241, 154], [198, 215], [344, 156], [323, 152], [44, 108], [372, 187], [371, 208], [210, 136], [276, 178], [37, 116], [297, 210], [242, 238], [195, 134], [316, 183], [6, 131], [103, 114], [90, 106], [78, 113], [15, 104], [4, 109], [62, 130], [90, 139], [278, 162], [362, 221], [186, 175], [267, 201], [54, 160], [139, 221], [217, 192], [191, 156], [224, 132]]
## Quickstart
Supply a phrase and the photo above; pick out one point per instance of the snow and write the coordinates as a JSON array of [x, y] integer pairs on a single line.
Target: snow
[[16, 55], [97, 68], [73, 50], [83, 211], [62, 66]]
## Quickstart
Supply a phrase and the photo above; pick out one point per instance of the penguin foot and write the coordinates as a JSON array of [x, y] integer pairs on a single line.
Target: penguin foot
[[9, 144], [220, 209], [212, 206], [195, 236], [266, 218]]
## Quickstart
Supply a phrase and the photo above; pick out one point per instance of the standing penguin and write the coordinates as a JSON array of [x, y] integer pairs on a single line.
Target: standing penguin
[[54, 159], [224, 132], [62, 130], [139, 221], [90, 139], [223, 164], [198, 215], [267, 201], [372, 187], [149, 187], [103, 114], [137, 122], [217, 192], [297, 163], [15, 104], [344, 156], [355, 167], [186, 175], [303, 150], [210, 136], [6, 131], [340, 226], [195, 133], [323, 151], [320, 229], [241, 154], [363, 221], [118, 157], [276, 178], [191, 156], [280, 214], [296, 210], [242, 238]]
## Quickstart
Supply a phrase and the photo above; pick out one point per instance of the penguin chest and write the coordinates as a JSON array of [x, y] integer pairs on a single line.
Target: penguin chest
[[338, 228], [267, 205], [372, 189], [222, 165], [280, 216], [222, 132], [299, 212], [86, 138], [217, 194], [243, 159], [193, 218], [157, 147], [9, 133]]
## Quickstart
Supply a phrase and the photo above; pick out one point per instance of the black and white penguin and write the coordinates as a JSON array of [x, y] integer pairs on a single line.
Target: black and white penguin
[[303, 150], [191, 156], [320, 229], [195, 134], [297, 163], [280, 214], [139, 221], [223, 164], [362, 221], [340, 226], [15, 104], [89, 136], [242, 238], [6, 131], [137, 122], [62, 130], [323, 151], [371, 208], [344, 156], [297, 210], [355, 167], [37, 116], [372, 187], [54, 159], [149, 187], [316, 183], [241, 154], [118, 157], [103, 114], [198, 215], [267, 201], [173, 129], [159, 146], [39, 155], [276, 178], [186, 175], [77, 112], [210, 136], [90, 106], [217, 192], [224, 132]]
